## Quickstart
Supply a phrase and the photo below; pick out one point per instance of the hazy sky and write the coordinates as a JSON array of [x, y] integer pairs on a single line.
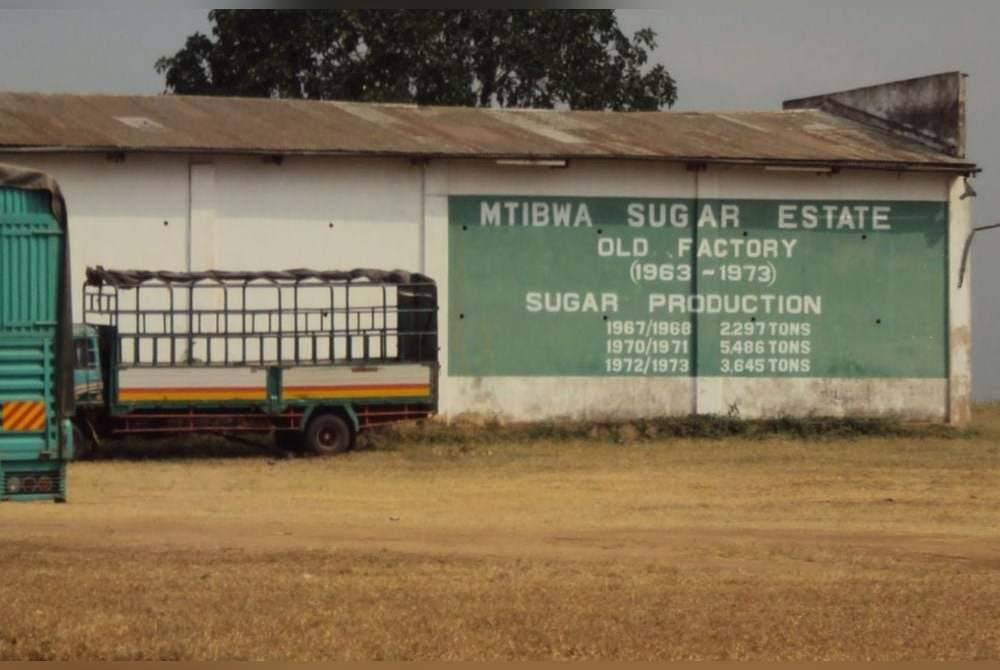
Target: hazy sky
[[724, 55]]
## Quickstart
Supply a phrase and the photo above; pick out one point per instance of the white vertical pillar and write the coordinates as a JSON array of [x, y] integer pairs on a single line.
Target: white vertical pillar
[[708, 392], [201, 218], [435, 254], [422, 219], [959, 307]]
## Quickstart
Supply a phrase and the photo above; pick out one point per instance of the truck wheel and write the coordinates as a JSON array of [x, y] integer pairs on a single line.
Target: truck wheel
[[83, 445], [328, 434]]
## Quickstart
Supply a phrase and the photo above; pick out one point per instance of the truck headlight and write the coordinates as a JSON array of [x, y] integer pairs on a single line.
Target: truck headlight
[[31, 482]]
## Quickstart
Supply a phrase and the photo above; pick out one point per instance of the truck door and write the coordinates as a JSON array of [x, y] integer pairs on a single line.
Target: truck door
[[87, 381]]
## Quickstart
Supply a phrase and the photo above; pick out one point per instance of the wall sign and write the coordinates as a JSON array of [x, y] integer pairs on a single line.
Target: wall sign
[[682, 287]]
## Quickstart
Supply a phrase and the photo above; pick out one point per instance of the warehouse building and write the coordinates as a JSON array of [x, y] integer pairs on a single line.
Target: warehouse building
[[590, 264]]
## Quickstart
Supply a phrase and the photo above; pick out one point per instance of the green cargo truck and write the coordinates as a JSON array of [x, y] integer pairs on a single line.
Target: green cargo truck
[[313, 357], [36, 393]]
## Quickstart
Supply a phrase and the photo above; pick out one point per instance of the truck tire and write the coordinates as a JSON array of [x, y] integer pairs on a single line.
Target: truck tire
[[328, 434]]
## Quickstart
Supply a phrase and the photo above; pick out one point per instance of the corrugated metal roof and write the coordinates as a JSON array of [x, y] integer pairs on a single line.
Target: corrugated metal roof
[[196, 124]]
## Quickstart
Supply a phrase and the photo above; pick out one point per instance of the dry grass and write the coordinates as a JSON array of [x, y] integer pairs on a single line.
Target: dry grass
[[863, 548]]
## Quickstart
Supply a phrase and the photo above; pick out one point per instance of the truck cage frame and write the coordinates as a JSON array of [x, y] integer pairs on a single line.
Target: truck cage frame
[[259, 319]]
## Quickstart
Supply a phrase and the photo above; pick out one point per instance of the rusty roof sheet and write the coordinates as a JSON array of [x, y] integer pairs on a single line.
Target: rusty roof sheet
[[201, 124]]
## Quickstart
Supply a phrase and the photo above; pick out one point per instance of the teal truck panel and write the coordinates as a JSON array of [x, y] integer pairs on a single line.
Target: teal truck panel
[[30, 258], [683, 287]]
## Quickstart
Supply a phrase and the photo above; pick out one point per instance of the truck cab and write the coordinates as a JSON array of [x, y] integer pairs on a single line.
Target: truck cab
[[88, 379]]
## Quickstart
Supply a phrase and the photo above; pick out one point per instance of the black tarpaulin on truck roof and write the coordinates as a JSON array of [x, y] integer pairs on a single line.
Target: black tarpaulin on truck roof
[[100, 276], [14, 176]]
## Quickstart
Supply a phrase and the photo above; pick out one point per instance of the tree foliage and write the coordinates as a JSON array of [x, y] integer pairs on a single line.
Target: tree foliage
[[484, 57]]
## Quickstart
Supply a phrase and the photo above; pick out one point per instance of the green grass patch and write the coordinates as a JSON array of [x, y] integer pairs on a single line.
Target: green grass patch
[[468, 432], [474, 431]]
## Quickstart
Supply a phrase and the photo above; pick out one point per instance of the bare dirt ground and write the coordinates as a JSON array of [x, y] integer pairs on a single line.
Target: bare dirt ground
[[874, 548]]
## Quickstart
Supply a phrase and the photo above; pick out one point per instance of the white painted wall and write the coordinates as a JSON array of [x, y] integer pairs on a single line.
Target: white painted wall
[[280, 216], [245, 213], [131, 214]]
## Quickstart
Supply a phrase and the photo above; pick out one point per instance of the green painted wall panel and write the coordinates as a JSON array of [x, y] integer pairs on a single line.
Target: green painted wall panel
[[632, 286]]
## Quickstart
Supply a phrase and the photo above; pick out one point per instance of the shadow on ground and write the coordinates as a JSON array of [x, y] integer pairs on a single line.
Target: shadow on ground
[[186, 448]]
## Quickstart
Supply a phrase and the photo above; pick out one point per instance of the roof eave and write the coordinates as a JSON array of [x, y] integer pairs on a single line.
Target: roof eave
[[891, 166]]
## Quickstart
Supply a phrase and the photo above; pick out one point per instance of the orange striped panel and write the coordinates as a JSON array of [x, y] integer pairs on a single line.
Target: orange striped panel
[[203, 393], [24, 415]]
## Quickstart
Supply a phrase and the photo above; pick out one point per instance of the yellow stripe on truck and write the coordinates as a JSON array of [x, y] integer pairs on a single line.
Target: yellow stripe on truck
[[179, 394], [390, 391], [290, 393], [23, 416]]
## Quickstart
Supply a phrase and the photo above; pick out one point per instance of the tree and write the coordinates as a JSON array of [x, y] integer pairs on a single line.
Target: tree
[[484, 57]]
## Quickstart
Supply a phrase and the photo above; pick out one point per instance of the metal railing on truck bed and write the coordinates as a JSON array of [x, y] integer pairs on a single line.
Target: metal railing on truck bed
[[257, 319]]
